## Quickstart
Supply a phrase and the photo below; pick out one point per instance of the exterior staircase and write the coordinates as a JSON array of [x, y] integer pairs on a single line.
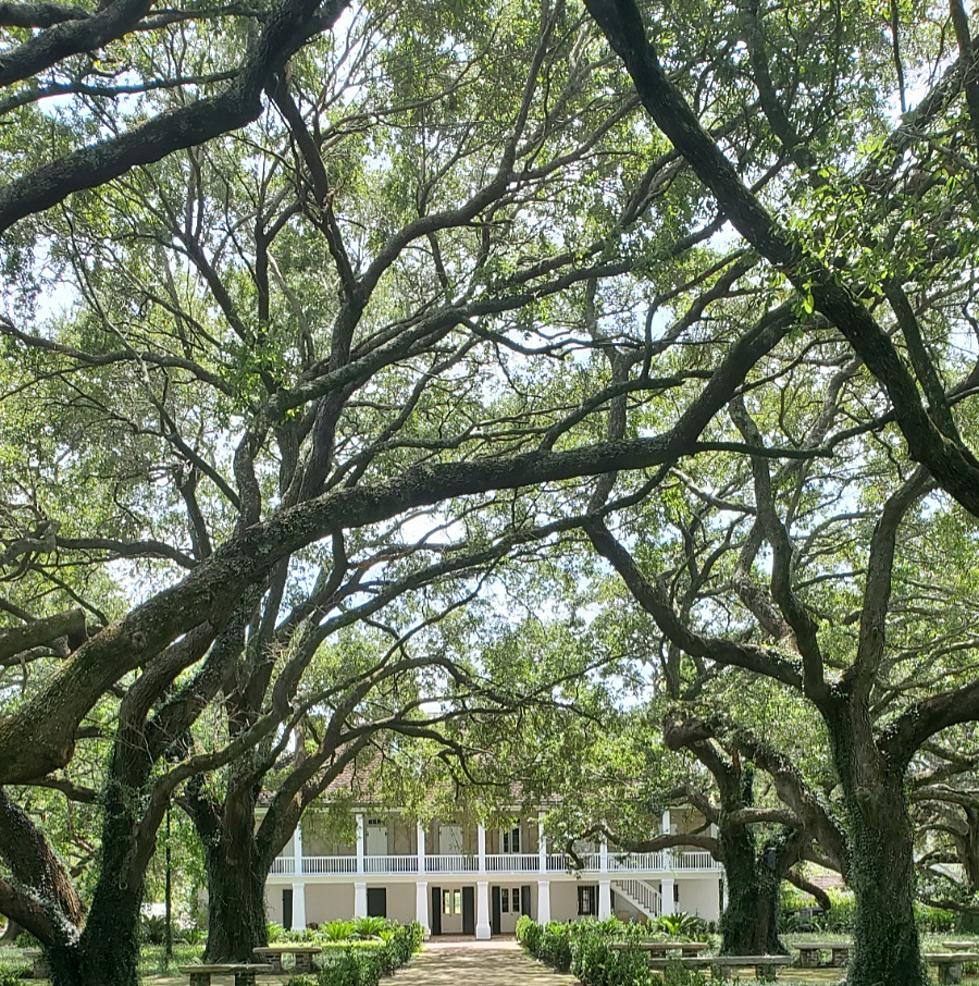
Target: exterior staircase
[[643, 896]]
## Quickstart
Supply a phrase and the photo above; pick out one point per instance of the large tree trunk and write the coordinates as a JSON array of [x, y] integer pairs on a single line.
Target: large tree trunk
[[108, 948], [749, 925], [236, 921], [882, 870]]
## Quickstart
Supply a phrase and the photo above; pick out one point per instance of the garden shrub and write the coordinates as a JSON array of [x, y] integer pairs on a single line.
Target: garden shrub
[[585, 949], [10, 977], [934, 920], [363, 961]]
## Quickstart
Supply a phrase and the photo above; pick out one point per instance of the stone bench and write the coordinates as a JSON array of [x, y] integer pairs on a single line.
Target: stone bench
[[810, 953], [39, 964], [685, 948], [273, 955], [766, 966], [949, 964], [244, 973]]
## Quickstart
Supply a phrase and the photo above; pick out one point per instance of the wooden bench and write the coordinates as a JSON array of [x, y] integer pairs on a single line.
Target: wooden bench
[[686, 948], [949, 964], [766, 966], [39, 964], [810, 953], [273, 955], [244, 973]]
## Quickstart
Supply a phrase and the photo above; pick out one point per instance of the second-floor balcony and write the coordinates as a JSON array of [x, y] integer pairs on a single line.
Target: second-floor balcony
[[496, 863]]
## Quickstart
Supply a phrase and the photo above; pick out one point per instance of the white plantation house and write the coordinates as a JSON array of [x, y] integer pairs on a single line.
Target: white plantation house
[[459, 879]]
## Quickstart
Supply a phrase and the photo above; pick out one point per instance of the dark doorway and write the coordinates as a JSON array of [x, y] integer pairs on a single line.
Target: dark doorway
[[287, 908], [468, 911], [495, 919], [377, 902], [435, 918], [525, 900]]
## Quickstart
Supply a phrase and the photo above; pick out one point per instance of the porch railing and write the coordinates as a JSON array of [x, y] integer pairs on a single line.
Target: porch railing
[[451, 863]]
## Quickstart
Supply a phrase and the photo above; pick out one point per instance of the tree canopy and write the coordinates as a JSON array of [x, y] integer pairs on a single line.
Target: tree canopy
[[380, 379]]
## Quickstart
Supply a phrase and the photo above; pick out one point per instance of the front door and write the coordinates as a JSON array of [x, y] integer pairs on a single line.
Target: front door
[[377, 902], [468, 911]]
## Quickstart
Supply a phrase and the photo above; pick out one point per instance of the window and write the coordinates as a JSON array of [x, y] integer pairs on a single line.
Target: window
[[511, 839], [510, 900], [587, 901], [451, 901]]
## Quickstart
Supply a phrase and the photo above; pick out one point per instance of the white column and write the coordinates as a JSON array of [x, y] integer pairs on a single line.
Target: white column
[[299, 907], [360, 899], [723, 894], [666, 892], [481, 847], [604, 900], [297, 848], [483, 930], [360, 843], [666, 827], [421, 906], [543, 901], [420, 840], [603, 855], [541, 846]]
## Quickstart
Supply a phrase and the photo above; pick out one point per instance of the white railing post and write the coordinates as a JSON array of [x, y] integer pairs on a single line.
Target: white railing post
[[481, 848], [297, 848], [360, 843], [421, 907], [667, 829], [420, 839], [543, 901], [541, 847], [483, 930], [298, 907], [604, 900]]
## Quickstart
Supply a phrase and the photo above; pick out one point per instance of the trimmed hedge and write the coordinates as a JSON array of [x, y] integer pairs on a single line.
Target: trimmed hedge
[[358, 961], [584, 949]]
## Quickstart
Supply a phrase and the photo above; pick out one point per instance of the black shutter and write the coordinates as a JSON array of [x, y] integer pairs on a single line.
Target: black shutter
[[468, 911], [287, 908], [581, 900], [435, 918], [495, 918], [525, 900]]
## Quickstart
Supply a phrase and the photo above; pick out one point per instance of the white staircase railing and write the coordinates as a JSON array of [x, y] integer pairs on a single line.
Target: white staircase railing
[[641, 895]]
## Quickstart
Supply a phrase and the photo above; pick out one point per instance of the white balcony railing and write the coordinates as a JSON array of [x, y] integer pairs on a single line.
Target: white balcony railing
[[618, 862], [513, 862], [451, 863], [329, 865], [390, 864]]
